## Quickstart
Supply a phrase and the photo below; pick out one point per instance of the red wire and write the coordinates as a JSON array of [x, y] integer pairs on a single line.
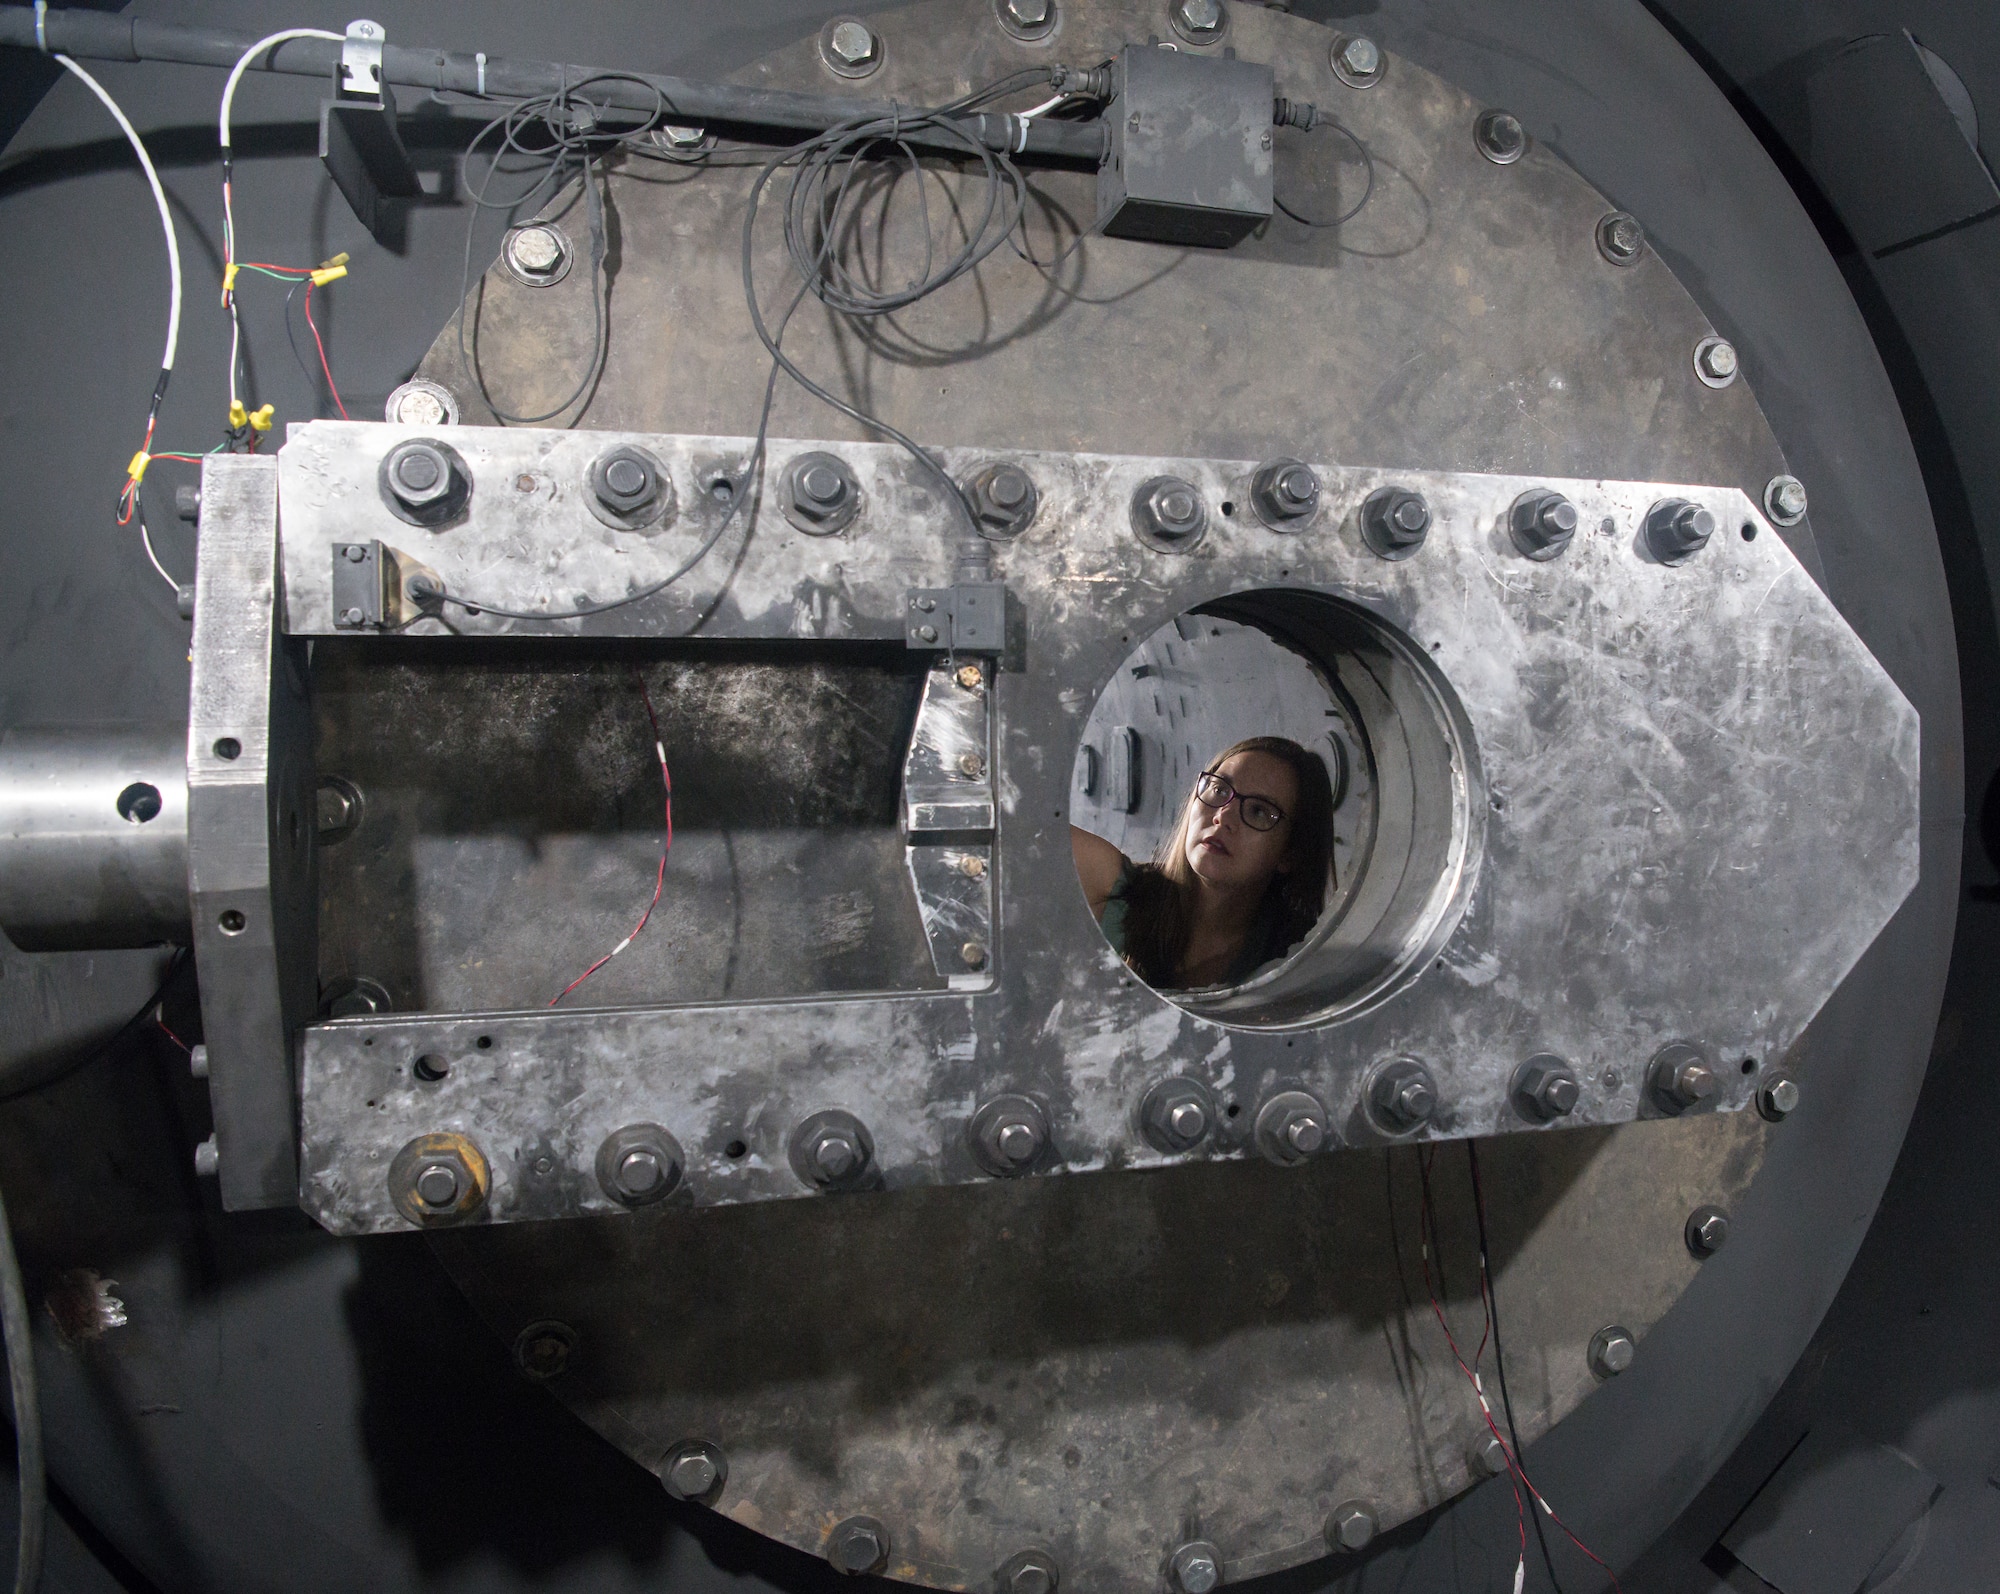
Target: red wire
[[170, 1035], [322, 352], [660, 879]]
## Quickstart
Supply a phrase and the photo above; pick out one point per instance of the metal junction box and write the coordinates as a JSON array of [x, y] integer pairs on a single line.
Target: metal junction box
[[1190, 159]]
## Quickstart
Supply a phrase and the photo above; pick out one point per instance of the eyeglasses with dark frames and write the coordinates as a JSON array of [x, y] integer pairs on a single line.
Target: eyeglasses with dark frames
[[1259, 813]]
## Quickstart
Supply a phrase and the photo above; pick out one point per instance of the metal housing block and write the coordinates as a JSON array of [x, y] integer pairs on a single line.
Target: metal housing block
[[1190, 158]]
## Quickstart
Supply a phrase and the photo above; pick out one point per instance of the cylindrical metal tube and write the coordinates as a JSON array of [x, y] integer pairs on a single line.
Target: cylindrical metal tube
[[93, 837]]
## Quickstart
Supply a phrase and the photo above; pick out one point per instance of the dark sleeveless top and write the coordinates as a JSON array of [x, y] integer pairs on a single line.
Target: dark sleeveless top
[[1264, 942]]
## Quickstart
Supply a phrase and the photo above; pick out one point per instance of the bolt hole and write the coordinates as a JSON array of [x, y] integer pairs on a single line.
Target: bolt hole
[[1498, 802], [735, 1150], [368, 1040], [231, 922], [228, 747], [722, 490], [1229, 506], [139, 802], [1749, 531], [484, 1043], [1284, 575], [1749, 1065], [430, 1068], [1234, 1109]]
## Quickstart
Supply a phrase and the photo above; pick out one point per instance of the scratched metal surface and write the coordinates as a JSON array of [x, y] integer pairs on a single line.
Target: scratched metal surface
[[1107, 1366]]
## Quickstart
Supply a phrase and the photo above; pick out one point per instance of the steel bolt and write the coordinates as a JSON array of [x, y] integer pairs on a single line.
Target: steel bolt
[[1176, 1115], [1003, 500], [1188, 1121], [970, 676], [187, 502], [1717, 359], [851, 43], [927, 633], [1620, 238], [822, 485], [640, 1173], [821, 495], [1402, 1096], [1500, 136], [831, 1150], [198, 1060], [835, 1157], [1778, 1097], [693, 1474], [1486, 1455], [971, 765], [351, 617], [1196, 1568], [972, 866], [1028, 13], [1284, 492], [1677, 530], [1611, 1352], [1542, 522], [860, 1544], [537, 251], [1168, 514], [1707, 1231], [542, 1350], [354, 553], [639, 1164], [1785, 500], [1291, 1127], [1680, 1078], [437, 1185], [1199, 16], [679, 135], [1018, 1142], [419, 406], [1361, 57], [207, 1158], [1546, 1088], [1031, 1578], [1009, 1135], [419, 474], [1395, 522], [1351, 1526], [626, 480]]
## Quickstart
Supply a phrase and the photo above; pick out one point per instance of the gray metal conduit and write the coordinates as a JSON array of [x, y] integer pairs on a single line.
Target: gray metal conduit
[[93, 35]]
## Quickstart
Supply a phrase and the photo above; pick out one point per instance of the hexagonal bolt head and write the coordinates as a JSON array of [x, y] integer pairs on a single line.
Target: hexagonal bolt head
[[1168, 513], [1017, 1142], [536, 251], [682, 136], [418, 474], [1677, 530], [1351, 1525], [852, 44], [1707, 1231], [1403, 1096], [832, 1150], [1009, 1135], [1486, 1455], [1620, 238], [835, 1156], [542, 1350], [1500, 136], [438, 1184], [1542, 522], [624, 480], [819, 490], [1195, 1568], [639, 1164], [640, 1173], [1611, 1352], [1361, 56], [207, 1159], [1284, 492], [1395, 522], [1003, 500], [694, 1472], [1291, 1127], [1717, 359], [1030, 1572], [1176, 1115], [1778, 1097], [1199, 16], [819, 494], [1680, 1078], [1028, 13], [860, 1544], [1785, 500], [1546, 1088]]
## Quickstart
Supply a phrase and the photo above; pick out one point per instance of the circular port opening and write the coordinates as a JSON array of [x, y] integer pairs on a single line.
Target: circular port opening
[[139, 802], [1395, 869]]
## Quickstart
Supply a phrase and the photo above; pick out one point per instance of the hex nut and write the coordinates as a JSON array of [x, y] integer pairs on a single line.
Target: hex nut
[[1357, 61], [1029, 1572], [1715, 361], [1785, 500], [207, 1159], [438, 1180], [1500, 137], [1199, 21], [630, 489], [1677, 530], [1027, 19], [1401, 1095], [1620, 238], [1285, 494], [1168, 514], [1778, 1097], [1542, 522], [1009, 1136], [1545, 1088], [1291, 1127], [1486, 1455], [1176, 1115], [1679, 1077], [1003, 500], [542, 1350], [1707, 1231], [537, 255], [424, 482], [695, 1470], [1395, 522], [1611, 1351], [639, 1165], [819, 494], [848, 47], [1351, 1525], [858, 1545], [832, 1150], [1196, 1567]]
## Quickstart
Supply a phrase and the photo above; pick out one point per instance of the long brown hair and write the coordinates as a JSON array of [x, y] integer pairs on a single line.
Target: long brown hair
[[1159, 916]]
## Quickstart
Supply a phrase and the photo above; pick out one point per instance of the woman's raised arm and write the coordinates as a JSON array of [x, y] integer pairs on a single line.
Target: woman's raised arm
[[1098, 866]]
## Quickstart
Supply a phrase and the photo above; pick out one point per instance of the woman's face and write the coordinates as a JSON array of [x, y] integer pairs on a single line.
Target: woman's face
[[1224, 851]]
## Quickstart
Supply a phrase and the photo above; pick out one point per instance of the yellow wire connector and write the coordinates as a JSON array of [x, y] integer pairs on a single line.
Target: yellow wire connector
[[229, 277], [260, 419], [239, 417], [137, 469], [330, 270]]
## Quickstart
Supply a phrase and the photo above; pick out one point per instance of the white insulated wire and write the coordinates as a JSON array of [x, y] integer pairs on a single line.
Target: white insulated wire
[[159, 198], [243, 63]]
